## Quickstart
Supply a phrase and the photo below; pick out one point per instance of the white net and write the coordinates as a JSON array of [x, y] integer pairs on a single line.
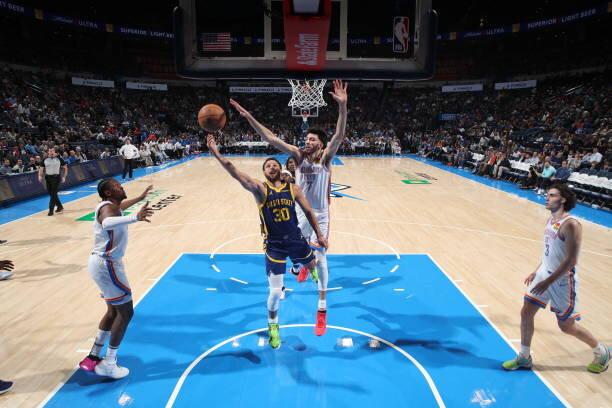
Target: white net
[[307, 93]]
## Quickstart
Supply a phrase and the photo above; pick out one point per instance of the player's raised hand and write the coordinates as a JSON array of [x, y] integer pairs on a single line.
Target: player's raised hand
[[243, 112], [339, 94], [144, 213], [212, 143], [6, 265], [146, 192]]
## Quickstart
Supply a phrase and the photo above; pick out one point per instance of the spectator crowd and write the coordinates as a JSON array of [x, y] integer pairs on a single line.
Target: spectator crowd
[[561, 126]]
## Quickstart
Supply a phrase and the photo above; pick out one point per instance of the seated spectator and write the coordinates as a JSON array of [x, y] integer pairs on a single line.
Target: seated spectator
[[80, 155], [592, 170], [145, 154], [531, 180], [105, 154], [6, 168], [178, 150], [563, 173], [501, 166], [487, 166], [19, 167], [594, 157], [548, 171], [66, 157]]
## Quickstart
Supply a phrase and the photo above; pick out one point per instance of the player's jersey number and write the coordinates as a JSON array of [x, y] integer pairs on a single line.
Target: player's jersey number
[[281, 214]]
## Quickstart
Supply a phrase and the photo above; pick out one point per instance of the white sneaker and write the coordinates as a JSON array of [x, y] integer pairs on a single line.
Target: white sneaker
[[282, 297], [111, 370], [5, 275]]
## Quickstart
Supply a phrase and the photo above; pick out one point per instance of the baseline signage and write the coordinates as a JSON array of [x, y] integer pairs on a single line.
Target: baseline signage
[[463, 88], [22, 186], [397, 40], [146, 86], [97, 83], [532, 83]]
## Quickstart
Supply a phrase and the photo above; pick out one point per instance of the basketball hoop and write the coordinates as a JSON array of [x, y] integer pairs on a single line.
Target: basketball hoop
[[307, 93]]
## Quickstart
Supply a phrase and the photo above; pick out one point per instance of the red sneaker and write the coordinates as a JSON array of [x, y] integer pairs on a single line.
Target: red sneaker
[[321, 325], [302, 274], [89, 363]]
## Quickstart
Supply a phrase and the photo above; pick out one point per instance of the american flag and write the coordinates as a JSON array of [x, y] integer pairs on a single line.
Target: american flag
[[216, 42]]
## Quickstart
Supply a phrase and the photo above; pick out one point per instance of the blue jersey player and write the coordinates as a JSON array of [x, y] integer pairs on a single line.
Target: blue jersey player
[[282, 236]]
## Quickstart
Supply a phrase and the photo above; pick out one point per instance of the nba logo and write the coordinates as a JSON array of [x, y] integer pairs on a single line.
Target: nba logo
[[400, 34]]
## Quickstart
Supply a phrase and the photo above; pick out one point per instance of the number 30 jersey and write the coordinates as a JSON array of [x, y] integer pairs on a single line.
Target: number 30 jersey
[[277, 213]]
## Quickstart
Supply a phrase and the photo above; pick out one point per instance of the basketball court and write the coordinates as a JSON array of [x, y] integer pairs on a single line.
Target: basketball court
[[424, 305]]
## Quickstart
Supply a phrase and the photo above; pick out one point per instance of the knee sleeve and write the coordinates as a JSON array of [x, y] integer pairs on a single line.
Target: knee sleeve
[[276, 290], [322, 268]]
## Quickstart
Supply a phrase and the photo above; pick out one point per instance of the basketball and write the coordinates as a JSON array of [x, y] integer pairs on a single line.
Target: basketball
[[211, 117]]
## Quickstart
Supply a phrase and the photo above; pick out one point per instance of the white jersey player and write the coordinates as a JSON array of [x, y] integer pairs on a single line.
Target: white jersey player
[[107, 271], [555, 282], [313, 175]]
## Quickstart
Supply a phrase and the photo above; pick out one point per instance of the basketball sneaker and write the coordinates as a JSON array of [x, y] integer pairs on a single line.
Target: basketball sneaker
[[518, 362], [282, 296], [112, 370], [5, 386], [302, 274], [600, 363], [321, 326], [4, 275], [90, 362], [294, 270], [274, 335]]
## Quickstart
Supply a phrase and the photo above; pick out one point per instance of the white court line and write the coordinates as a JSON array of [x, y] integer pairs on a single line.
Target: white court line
[[370, 281], [502, 191], [211, 289], [194, 363], [214, 252], [194, 223], [336, 288], [216, 268], [397, 255], [399, 289], [552, 389], [61, 384], [142, 178], [394, 269], [239, 281], [454, 227]]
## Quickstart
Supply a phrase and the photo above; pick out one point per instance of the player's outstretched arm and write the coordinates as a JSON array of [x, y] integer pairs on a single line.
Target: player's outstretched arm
[[130, 202], [340, 95], [110, 216], [301, 199], [249, 183], [266, 134]]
